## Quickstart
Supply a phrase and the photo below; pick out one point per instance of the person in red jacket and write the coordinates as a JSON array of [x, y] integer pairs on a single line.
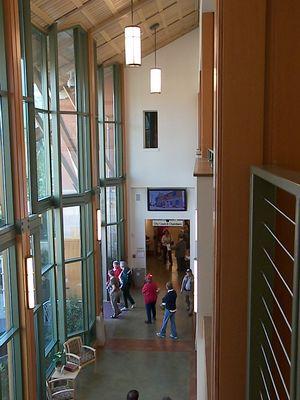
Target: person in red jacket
[[149, 292]]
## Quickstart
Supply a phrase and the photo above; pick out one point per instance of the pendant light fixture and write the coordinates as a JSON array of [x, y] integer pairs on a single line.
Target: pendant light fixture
[[155, 73], [133, 57]]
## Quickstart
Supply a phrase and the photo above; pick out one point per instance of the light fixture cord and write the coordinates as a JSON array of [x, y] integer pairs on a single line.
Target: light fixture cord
[[131, 12], [155, 48]]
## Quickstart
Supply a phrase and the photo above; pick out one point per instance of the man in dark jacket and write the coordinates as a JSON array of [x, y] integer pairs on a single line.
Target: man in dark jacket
[[169, 302], [180, 251], [125, 283]]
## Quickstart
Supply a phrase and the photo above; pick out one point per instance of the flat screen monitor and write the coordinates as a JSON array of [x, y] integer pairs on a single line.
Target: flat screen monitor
[[167, 199]]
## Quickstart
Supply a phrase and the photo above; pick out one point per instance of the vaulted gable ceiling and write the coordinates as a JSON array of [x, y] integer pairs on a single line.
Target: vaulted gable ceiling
[[106, 20]]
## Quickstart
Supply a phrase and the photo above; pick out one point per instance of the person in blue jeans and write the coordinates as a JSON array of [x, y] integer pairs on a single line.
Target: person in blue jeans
[[169, 302]]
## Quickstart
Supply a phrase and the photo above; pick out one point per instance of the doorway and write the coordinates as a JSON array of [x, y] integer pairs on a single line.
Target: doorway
[[167, 246]]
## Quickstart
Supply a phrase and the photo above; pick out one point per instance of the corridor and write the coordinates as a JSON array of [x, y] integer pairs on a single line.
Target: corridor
[[134, 358]]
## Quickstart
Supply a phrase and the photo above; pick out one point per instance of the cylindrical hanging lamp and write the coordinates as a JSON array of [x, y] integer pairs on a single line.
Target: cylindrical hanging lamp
[[133, 48], [155, 73]]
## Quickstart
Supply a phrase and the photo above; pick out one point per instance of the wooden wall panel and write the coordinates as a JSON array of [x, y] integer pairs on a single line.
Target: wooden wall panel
[[282, 118], [206, 88], [239, 144]]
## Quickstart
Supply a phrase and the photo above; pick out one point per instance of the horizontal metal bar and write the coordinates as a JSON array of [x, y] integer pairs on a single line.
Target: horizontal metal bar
[[278, 241], [279, 177], [3, 93], [280, 211], [275, 360], [277, 302], [278, 272], [276, 331], [265, 384], [269, 371]]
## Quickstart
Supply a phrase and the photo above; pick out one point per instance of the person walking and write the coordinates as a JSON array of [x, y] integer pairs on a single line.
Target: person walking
[[180, 250], [125, 284], [149, 292], [114, 293], [187, 288], [169, 302], [166, 242]]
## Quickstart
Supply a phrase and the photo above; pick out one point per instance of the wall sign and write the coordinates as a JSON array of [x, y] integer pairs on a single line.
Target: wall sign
[[167, 222]]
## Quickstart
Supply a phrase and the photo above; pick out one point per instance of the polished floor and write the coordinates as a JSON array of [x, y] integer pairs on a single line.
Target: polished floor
[[134, 358]]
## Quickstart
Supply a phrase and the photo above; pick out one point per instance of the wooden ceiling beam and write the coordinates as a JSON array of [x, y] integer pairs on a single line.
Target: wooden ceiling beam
[[41, 14], [114, 18], [80, 7], [110, 42], [110, 5]]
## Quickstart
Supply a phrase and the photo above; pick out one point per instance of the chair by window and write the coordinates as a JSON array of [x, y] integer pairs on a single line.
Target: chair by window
[[60, 389], [78, 353]]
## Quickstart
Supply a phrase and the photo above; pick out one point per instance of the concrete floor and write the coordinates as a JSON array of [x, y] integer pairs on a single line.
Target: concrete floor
[[134, 358]]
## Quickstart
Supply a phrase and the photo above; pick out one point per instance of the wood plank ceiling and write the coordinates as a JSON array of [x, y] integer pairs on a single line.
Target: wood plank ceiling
[[106, 20]]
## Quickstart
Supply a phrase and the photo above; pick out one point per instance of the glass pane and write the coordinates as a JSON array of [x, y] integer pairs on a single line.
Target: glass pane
[[5, 296], [7, 371], [46, 239], [2, 174], [40, 84], [43, 155], [69, 154], [87, 151], [89, 228], [66, 68], [112, 243], [74, 306], [27, 154], [109, 94], [91, 280], [110, 151], [48, 296], [72, 240], [150, 130], [111, 204]]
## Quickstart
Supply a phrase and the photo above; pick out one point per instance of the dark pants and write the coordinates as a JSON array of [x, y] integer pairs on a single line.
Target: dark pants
[[150, 308], [166, 253], [181, 263], [127, 296]]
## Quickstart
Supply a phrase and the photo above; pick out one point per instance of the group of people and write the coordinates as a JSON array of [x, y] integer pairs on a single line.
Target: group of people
[[134, 395], [119, 281], [181, 248], [150, 292]]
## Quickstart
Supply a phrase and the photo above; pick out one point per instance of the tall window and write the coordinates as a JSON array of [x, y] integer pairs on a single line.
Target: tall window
[[42, 114], [10, 362], [76, 181], [111, 162]]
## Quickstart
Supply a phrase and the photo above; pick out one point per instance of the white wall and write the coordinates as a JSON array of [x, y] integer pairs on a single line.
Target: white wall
[[205, 245], [172, 164]]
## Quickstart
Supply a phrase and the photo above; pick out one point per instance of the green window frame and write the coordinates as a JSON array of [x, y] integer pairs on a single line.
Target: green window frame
[[110, 130]]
